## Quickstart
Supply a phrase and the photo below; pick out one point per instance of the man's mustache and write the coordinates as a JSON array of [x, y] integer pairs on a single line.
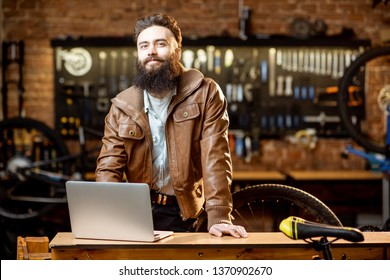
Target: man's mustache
[[153, 58]]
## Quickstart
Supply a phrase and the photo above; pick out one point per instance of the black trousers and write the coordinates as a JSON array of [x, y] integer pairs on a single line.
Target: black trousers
[[167, 217]]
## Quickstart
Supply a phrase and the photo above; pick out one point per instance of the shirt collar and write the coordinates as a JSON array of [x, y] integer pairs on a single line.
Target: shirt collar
[[147, 104]]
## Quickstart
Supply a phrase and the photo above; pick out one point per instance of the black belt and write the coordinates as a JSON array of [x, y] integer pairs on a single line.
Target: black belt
[[162, 199]]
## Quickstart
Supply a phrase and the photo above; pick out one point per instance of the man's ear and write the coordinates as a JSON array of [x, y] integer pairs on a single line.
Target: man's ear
[[178, 53]]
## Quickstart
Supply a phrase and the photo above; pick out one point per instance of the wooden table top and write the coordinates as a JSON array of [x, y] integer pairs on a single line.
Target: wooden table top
[[255, 239], [203, 246]]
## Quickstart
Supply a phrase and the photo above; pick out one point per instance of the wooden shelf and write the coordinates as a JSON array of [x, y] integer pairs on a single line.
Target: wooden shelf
[[261, 175], [306, 175], [339, 175]]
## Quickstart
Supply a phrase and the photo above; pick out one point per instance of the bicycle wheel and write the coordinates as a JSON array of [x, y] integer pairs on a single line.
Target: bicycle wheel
[[24, 143], [262, 207], [369, 73]]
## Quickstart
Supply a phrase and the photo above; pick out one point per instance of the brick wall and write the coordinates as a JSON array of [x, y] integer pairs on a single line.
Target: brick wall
[[36, 22]]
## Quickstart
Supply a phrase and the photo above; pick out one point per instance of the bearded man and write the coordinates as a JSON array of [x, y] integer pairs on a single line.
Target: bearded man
[[170, 130]]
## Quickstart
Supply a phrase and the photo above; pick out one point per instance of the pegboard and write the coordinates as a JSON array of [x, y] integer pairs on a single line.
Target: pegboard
[[273, 87]]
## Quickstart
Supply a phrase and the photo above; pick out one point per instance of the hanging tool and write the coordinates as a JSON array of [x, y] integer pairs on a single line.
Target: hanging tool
[[210, 58], [244, 14], [229, 58], [321, 119], [200, 60], [113, 74], [12, 53], [217, 61], [188, 58], [271, 71], [279, 85], [124, 75], [102, 103], [289, 87], [353, 93]]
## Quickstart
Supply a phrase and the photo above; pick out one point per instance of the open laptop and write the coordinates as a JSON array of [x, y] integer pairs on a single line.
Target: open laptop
[[111, 211]]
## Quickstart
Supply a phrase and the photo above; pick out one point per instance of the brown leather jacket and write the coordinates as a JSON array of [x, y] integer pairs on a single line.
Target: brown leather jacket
[[197, 140]]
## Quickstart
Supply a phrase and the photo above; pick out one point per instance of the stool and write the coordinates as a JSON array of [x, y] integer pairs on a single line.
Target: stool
[[33, 248]]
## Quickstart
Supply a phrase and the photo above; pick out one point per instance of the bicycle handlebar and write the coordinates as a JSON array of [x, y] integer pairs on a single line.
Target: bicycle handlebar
[[298, 228]]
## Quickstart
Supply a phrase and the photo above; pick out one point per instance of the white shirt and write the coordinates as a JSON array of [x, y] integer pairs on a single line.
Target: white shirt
[[157, 109]]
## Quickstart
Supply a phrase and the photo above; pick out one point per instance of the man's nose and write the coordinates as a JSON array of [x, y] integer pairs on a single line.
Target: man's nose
[[152, 50]]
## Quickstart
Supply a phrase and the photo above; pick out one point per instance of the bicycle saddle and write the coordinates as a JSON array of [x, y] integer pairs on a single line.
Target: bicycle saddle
[[298, 228]]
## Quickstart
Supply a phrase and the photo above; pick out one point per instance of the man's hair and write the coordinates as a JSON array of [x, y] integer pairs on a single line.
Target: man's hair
[[158, 20]]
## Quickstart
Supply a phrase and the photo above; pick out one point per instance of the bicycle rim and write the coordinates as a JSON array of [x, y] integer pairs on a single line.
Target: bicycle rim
[[375, 65], [261, 208]]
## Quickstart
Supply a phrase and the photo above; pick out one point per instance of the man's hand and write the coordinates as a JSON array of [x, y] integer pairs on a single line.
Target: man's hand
[[221, 229]]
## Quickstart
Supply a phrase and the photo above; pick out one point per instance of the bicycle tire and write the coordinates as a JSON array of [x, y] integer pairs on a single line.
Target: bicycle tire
[[262, 207], [27, 210], [344, 111]]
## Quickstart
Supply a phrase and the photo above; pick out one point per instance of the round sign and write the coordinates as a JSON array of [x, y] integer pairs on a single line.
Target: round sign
[[77, 61]]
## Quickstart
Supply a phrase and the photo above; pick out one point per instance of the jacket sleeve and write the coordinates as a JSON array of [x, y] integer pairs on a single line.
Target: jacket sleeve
[[216, 158], [112, 158]]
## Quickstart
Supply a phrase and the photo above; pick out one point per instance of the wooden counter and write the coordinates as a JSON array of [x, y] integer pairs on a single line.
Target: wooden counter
[[347, 175], [258, 175], [203, 246], [334, 175], [306, 175]]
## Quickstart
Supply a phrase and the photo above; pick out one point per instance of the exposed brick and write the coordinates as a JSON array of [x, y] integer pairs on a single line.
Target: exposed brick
[[38, 21]]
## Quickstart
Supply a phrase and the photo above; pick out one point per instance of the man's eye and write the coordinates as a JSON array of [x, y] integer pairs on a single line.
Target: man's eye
[[161, 44]]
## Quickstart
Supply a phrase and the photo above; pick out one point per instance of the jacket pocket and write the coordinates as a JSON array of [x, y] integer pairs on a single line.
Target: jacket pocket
[[185, 113], [130, 131]]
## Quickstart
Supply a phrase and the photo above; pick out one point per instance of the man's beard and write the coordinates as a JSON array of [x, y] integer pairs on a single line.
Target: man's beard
[[160, 80]]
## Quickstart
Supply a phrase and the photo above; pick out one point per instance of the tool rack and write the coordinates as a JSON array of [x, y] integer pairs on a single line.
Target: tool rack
[[274, 86]]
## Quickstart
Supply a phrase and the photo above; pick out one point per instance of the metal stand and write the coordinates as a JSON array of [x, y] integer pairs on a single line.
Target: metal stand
[[384, 165], [12, 53], [385, 199], [323, 245]]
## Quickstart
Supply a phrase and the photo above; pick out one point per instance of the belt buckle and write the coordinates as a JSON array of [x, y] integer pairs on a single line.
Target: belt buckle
[[162, 199]]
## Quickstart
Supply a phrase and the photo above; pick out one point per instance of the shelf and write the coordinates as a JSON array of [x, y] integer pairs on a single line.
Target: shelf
[[333, 175], [258, 175]]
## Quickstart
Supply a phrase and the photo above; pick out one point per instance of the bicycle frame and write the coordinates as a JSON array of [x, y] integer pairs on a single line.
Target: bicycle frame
[[31, 185]]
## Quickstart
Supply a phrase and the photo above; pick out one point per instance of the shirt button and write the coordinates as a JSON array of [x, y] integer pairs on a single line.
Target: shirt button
[[185, 114], [132, 132]]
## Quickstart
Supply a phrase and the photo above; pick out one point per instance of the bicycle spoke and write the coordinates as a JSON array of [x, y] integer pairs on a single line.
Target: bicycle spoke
[[263, 207]]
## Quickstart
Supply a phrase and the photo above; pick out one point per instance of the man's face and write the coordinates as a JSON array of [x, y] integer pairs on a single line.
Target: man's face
[[155, 45]]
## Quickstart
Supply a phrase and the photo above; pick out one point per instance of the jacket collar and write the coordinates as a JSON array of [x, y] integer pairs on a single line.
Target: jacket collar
[[131, 100]]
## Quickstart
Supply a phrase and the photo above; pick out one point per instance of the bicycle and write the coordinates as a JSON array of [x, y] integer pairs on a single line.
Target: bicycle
[[35, 164], [297, 228], [374, 134], [374, 63]]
